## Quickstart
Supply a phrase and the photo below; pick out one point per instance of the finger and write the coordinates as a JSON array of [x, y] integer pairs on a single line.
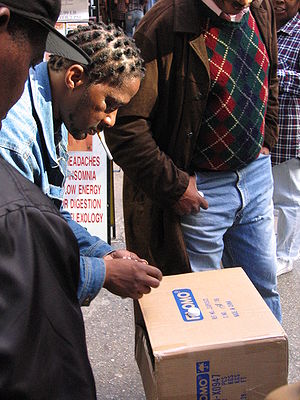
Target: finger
[[195, 211], [204, 203], [116, 254], [193, 180], [133, 256], [145, 290], [142, 260], [153, 272], [151, 282], [137, 295], [129, 258]]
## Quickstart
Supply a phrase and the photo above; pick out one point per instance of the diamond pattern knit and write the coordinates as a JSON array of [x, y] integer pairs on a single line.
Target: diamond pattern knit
[[232, 131]]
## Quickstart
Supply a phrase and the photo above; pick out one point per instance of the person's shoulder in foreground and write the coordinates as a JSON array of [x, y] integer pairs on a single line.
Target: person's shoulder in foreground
[[43, 353], [42, 341]]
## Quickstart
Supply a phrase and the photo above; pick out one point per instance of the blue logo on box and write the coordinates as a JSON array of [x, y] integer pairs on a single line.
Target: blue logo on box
[[203, 387], [185, 300], [202, 366], [203, 380]]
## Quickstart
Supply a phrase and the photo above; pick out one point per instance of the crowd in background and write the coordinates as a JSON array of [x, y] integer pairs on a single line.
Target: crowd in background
[[125, 13]]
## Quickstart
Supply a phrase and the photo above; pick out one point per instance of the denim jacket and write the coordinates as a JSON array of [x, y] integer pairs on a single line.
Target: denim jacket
[[20, 145]]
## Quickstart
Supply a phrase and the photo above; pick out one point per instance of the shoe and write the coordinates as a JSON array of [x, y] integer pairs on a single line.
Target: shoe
[[284, 266]]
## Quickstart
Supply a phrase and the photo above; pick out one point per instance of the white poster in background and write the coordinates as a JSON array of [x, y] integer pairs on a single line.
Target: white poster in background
[[74, 10], [86, 187]]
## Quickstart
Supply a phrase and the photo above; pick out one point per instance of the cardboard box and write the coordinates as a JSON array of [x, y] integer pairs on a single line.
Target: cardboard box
[[234, 350]]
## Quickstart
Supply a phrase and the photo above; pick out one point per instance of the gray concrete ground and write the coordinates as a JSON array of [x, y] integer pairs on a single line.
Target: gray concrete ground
[[110, 329]]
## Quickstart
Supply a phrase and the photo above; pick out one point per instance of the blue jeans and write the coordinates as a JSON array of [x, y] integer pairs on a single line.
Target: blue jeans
[[132, 18], [286, 199], [238, 226]]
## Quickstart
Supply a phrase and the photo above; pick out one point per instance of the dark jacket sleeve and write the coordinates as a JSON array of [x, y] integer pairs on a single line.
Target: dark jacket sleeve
[[134, 141]]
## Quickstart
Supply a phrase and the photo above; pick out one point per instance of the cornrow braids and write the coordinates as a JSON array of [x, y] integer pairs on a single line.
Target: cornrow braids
[[114, 55]]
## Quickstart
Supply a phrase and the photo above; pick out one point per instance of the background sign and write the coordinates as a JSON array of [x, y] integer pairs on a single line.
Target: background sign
[[86, 186], [74, 10]]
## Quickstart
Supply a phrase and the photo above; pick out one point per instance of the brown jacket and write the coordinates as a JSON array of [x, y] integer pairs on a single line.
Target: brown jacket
[[155, 135]]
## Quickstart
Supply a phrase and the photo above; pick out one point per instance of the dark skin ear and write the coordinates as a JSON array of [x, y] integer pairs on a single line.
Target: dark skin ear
[[4, 18], [74, 76]]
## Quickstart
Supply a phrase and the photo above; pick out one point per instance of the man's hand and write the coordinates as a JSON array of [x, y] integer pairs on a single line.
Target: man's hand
[[127, 277], [126, 254], [191, 201], [265, 150]]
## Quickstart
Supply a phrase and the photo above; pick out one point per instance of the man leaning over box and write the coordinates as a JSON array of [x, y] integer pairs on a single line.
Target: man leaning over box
[[61, 96], [204, 120]]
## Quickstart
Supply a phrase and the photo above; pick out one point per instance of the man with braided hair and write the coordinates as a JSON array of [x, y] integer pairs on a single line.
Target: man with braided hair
[[61, 96]]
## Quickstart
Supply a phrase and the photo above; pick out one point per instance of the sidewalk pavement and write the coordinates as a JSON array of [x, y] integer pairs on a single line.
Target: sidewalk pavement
[[110, 329]]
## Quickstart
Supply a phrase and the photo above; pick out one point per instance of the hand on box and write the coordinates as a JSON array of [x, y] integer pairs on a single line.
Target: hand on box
[[126, 254], [130, 277]]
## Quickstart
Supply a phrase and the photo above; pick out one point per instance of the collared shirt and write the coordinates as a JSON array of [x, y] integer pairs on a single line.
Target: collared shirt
[[20, 145], [234, 18], [288, 145]]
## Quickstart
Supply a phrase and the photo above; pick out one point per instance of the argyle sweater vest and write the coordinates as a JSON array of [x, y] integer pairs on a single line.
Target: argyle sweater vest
[[232, 129]]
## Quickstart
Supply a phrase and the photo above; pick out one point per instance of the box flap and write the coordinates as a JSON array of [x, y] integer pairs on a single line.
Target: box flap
[[231, 312]]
